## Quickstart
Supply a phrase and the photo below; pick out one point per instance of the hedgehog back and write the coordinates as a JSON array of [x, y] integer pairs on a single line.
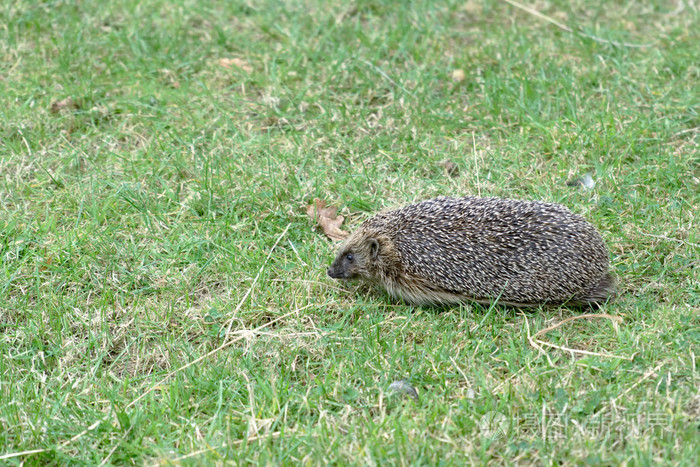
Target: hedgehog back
[[487, 248]]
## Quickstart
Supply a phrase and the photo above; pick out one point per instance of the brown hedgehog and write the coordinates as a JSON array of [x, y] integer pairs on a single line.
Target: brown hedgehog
[[450, 250]]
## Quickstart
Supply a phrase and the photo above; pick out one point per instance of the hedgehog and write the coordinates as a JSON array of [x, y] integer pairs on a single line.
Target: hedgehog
[[447, 250]]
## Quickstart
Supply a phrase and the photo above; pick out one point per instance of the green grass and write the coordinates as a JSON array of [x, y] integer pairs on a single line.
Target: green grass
[[134, 221]]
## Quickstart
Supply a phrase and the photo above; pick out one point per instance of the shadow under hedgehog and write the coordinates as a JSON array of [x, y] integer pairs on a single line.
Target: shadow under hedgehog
[[451, 250]]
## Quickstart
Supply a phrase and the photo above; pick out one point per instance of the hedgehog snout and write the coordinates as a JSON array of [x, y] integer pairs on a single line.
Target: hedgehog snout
[[334, 273], [339, 270]]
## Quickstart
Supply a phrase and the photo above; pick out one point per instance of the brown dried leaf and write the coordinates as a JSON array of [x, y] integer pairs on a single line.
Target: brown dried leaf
[[451, 168], [63, 104], [235, 62], [327, 218]]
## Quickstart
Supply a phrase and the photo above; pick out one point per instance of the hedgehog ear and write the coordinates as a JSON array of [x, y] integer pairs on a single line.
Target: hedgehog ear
[[373, 247]]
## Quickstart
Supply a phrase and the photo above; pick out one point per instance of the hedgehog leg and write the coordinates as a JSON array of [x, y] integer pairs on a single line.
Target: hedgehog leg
[[601, 292]]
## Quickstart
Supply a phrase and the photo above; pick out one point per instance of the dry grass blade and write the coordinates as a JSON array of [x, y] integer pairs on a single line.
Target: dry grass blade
[[534, 344], [22, 453], [573, 318], [250, 289], [240, 335], [195, 361], [534, 341], [568, 29], [116, 445], [272, 435], [669, 239], [228, 329]]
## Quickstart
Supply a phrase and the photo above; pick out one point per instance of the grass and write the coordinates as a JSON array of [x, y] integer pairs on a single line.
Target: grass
[[163, 297]]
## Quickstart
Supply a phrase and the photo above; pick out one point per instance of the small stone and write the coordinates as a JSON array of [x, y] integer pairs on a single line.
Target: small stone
[[458, 75], [585, 181], [403, 388]]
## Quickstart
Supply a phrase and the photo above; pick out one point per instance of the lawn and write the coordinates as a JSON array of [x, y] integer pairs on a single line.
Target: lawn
[[163, 293]]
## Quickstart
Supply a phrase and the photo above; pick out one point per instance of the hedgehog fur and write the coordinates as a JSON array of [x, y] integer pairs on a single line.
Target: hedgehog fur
[[450, 250]]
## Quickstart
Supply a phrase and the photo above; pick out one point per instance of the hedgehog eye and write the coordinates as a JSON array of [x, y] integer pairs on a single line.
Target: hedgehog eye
[[349, 257]]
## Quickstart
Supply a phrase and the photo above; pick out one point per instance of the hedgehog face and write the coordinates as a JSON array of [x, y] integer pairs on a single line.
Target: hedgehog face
[[354, 259]]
